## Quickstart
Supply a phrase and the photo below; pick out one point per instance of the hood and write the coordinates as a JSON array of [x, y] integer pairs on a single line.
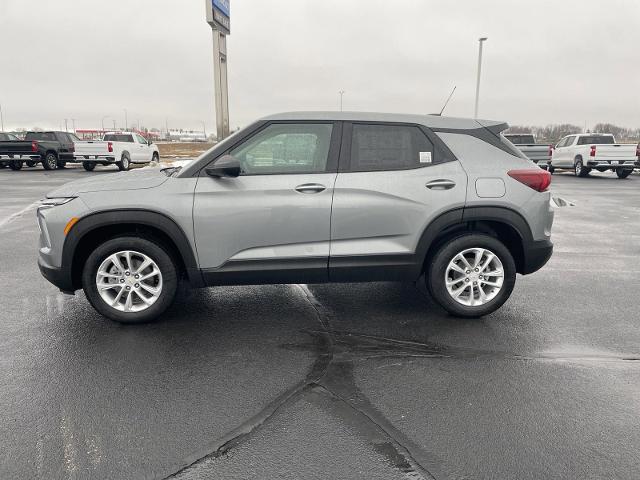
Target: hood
[[135, 180]]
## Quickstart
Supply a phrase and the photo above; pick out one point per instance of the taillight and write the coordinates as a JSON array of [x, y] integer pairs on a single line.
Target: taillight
[[537, 179], [34, 146], [592, 153], [550, 150], [110, 147]]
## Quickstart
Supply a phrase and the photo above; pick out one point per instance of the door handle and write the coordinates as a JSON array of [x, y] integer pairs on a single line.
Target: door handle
[[310, 188], [441, 184]]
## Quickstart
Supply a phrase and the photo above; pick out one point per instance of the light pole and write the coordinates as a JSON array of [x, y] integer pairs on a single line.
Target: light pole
[[126, 120], [480, 42], [204, 129], [1, 120], [103, 119], [73, 123], [341, 92]]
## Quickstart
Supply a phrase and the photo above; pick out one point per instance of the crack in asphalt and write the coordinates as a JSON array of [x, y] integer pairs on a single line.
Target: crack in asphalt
[[357, 411]]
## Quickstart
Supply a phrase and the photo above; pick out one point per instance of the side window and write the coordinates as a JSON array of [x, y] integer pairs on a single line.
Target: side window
[[562, 143], [63, 138], [569, 141], [286, 148], [389, 147], [141, 139]]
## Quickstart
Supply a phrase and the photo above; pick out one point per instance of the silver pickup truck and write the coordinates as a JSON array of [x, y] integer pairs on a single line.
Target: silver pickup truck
[[539, 153]]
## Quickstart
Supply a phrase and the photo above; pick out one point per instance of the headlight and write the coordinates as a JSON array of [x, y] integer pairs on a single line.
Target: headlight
[[54, 202]]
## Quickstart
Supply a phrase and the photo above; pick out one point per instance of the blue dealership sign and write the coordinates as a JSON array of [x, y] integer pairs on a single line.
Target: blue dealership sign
[[223, 6]]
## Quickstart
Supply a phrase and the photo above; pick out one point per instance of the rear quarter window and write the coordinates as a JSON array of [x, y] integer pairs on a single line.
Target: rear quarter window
[[41, 136], [596, 139]]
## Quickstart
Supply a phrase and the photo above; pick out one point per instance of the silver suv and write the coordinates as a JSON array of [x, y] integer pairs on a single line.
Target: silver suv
[[309, 198]]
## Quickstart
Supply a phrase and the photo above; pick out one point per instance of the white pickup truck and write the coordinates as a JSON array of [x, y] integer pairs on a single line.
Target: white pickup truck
[[119, 148], [588, 151]]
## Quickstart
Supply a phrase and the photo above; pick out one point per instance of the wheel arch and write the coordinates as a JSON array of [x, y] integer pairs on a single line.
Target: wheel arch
[[503, 223], [98, 227]]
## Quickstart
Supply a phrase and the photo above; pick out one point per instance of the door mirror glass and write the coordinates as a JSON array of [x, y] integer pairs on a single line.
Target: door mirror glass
[[225, 166]]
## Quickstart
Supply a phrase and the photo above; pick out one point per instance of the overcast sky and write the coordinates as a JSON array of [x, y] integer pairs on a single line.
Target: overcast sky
[[546, 61]]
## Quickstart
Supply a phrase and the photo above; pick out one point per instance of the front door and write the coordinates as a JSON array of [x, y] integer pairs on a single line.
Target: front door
[[392, 183], [272, 223], [142, 150]]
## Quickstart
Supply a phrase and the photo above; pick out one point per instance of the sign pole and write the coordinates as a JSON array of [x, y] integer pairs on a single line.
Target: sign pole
[[221, 83], [218, 14]]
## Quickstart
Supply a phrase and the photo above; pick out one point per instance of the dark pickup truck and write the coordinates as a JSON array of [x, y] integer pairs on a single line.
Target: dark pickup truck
[[52, 149]]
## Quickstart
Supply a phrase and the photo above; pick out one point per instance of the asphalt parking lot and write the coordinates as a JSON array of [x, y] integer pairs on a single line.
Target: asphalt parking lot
[[366, 381]]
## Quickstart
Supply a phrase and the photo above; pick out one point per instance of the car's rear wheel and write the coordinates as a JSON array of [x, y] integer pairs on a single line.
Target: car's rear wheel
[[579, 169], [472, 275], [89, 166], [50, 161], [15, 165], [623, 172], [130, 280], [124, 163]]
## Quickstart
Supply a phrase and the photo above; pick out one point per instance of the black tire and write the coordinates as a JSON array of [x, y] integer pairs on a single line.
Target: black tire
[[16, 165], [62, 164], [550, 168], [579, 169], [436, 272], [50, 161], [3, 165], [125, 163], [31, 163], [623, 172], [156, 157], [154, 251], [89, 166]]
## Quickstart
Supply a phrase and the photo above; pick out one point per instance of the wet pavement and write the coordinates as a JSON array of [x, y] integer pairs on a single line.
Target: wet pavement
[[366, 381]]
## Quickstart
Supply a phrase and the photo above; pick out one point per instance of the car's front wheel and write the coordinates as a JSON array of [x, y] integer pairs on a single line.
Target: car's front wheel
[[130, 280], [471, 275]]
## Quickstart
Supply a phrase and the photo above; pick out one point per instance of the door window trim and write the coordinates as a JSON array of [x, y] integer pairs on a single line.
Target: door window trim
[[440, 152], [332, 158]]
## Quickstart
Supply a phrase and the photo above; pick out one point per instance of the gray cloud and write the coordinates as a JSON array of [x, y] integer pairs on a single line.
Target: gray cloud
[[545, 61]]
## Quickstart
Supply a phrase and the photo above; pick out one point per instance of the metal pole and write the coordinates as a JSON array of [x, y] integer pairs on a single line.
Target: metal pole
[[480, 41], [1, 119], [341, 92], [73, 123], [66, 125], [126, 120], [221, 84]]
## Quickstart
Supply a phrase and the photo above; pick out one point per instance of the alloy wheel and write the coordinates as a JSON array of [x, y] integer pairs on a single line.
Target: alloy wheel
[[474, 277], [129, 281]]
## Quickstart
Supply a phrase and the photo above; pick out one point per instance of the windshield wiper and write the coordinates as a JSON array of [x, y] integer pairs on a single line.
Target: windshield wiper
[[171, 171]]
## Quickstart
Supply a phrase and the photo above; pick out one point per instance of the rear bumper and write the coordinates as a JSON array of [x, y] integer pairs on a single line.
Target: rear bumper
[[611, 164], [60, 277], [536, 256]]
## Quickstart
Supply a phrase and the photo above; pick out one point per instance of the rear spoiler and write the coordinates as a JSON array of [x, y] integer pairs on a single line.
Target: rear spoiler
[[493, 126]]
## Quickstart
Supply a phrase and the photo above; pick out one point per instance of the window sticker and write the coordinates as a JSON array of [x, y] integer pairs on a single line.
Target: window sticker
[[425, 157]]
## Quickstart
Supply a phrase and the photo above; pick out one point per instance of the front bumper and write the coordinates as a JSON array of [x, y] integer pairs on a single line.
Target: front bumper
[[536, 256], [60, 277]]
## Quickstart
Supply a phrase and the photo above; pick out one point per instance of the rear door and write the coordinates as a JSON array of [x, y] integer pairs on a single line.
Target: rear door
[[272, 223], [394, 180]]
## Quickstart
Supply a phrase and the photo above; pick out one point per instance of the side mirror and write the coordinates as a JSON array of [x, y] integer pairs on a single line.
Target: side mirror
[[149, 142], [225, 166]]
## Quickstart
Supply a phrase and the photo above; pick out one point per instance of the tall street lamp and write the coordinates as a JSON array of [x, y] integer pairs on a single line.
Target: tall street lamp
[[103, 119], [126, 120], [341, 92], [480, 42]]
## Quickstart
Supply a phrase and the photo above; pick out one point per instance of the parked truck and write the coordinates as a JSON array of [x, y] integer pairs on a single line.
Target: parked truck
[[585, 152], [52, 149], [119, 148], [538, 153]]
